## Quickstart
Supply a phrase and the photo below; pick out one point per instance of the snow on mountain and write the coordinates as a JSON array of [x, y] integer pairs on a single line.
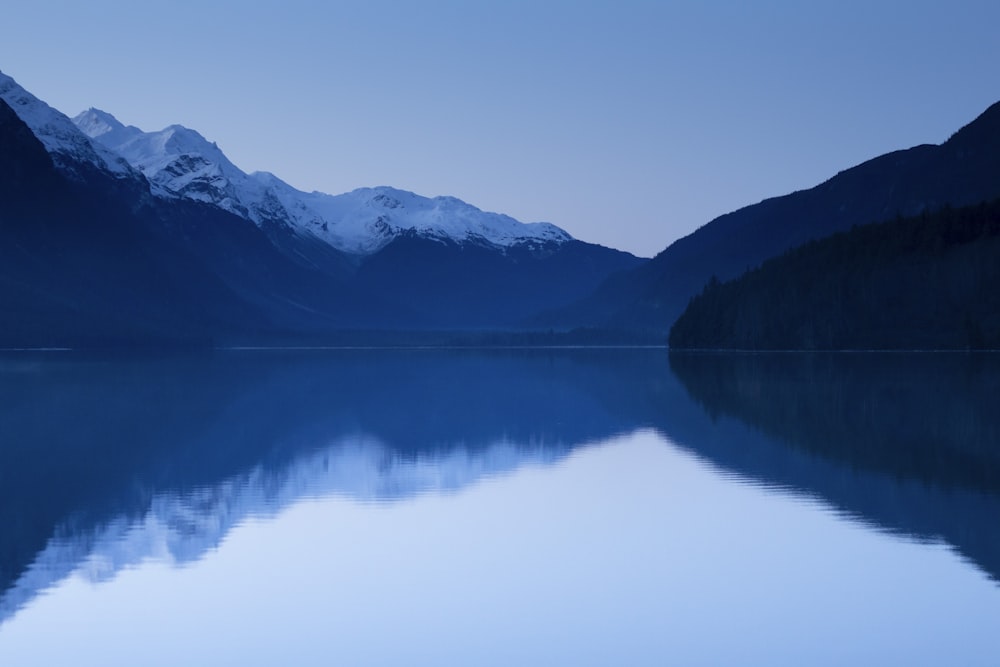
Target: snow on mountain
[[184, 163], [367, 215], [67, 145]]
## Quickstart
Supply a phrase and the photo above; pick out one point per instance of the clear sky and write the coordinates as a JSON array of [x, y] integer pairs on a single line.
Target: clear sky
[[627, 123]]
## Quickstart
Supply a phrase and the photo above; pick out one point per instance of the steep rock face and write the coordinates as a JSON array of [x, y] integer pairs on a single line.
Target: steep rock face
[[71, 151], [25, 166], [964, 170]]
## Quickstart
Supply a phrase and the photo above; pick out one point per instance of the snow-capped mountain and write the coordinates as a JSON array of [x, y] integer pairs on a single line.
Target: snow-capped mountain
[[182, 163], [68, 147], [113, 234]]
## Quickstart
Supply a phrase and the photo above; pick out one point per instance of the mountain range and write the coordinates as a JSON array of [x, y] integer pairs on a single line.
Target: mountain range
[[964, 170], [180, 162], [112, 235]]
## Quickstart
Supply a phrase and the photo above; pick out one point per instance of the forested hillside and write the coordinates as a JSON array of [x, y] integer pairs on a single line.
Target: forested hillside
[[962, 171], [928, 282]]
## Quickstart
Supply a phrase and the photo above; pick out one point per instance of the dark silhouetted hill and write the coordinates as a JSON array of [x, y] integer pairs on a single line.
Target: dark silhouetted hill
[[928, 282], [962, 171]]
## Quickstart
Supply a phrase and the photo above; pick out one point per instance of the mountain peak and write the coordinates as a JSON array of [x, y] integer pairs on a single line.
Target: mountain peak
[[982, 133], [67, 144], [180, 139], [94, 122], [182, 162]]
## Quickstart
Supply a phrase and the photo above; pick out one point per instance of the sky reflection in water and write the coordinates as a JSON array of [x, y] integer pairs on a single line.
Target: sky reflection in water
[[635, 517]]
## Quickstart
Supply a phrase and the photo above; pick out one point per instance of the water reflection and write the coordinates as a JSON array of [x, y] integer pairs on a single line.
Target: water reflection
[[907, 443], [109, 461], [183, 526], [106, 462]]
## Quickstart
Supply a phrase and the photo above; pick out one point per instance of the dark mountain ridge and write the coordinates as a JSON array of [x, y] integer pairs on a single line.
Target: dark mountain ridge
[[90, 258], [964, 170], [433, 277], [928, 282]]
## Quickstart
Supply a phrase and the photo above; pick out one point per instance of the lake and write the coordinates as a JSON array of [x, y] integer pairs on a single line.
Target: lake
[[499, 507]]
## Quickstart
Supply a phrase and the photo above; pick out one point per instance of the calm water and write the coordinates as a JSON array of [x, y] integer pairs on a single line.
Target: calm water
[[499, 508]]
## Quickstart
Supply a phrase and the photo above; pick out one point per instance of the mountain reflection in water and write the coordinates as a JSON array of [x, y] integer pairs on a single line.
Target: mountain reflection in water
[[111, 460], [105, 462], [909, 443]]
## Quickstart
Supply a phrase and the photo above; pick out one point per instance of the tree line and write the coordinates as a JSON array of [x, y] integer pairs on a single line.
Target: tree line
[[925, 282]]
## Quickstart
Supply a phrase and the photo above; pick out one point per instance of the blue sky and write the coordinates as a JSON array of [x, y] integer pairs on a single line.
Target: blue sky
[[627, 123]]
